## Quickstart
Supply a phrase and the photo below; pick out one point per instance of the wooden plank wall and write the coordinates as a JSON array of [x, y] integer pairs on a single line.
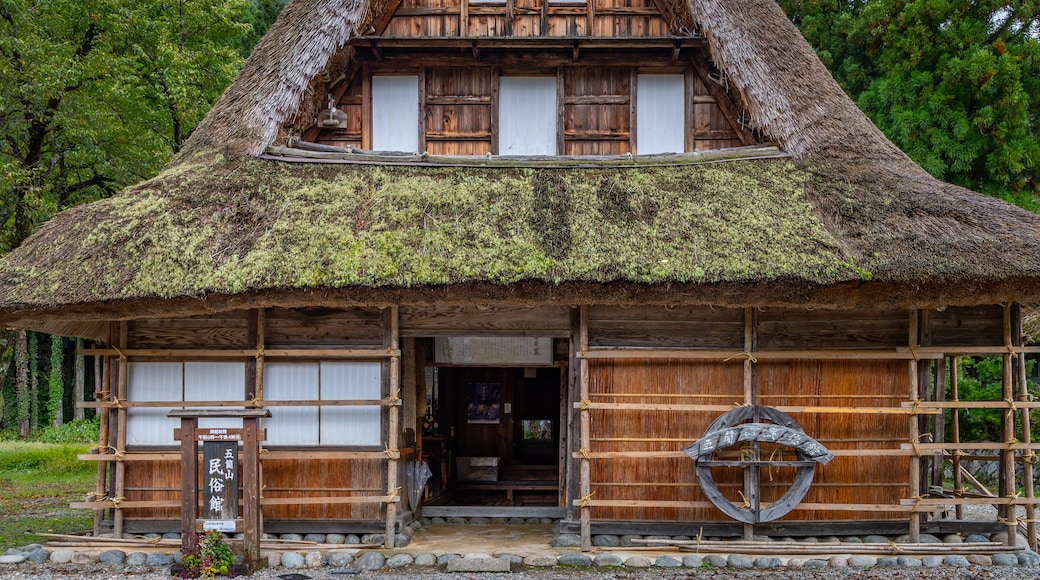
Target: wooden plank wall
[[610, 18], [838, 384]]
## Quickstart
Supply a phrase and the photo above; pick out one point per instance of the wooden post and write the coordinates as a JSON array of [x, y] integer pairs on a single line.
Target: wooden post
[[752, 475], [102, 392], [955, 434], [939, 425], [1007, 456], [1028, 457], [79, 413], [915, 432], [189, 481], [252, 527], [393, 342], [121, 392], [585, 481]]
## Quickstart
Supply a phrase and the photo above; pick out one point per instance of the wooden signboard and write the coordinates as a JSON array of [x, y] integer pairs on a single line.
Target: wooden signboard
[[219, 479]]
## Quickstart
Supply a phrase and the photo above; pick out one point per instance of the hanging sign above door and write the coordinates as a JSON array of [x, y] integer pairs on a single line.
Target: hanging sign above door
[[473, 350]]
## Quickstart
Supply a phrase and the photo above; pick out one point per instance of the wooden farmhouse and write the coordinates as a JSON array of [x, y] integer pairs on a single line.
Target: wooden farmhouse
[[638, 266]]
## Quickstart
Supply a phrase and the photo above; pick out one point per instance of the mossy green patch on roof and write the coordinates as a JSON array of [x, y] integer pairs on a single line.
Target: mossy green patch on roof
[[254, 225]]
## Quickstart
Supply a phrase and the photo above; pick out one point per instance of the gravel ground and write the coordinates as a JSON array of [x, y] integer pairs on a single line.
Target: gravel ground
[[51, 571]]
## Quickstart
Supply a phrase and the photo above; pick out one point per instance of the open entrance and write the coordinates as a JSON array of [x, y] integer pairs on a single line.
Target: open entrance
[[492, 437]]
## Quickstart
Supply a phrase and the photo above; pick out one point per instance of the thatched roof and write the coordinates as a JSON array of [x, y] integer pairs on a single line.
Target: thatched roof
[[843, 218]]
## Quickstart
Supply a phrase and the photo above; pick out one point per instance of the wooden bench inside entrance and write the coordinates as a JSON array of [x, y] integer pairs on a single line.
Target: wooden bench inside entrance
[[513, 478]]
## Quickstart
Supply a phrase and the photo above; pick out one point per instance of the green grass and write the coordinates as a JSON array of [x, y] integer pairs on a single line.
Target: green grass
[[37, 483]]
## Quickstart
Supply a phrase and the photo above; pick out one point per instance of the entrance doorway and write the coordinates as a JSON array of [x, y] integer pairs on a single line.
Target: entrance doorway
[[495, 438]]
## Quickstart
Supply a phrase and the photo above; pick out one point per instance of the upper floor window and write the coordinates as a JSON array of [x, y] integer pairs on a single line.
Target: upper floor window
[[395, 113], [660, 109], [527, 116]]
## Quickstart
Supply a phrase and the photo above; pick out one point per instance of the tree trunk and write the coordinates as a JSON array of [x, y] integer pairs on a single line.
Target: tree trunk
[[56, 382], [77, 391], [22, 384]]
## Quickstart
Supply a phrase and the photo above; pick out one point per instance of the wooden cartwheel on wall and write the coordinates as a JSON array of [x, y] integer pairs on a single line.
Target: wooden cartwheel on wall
[[862, 382]]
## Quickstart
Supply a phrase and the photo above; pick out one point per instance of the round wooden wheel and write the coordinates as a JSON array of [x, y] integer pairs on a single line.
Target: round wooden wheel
[[732, 428]]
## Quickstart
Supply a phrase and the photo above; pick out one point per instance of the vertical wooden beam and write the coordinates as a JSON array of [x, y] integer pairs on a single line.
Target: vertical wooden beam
[[366, 107], [561, 95], [590, 17], [955, 434], [1007, 456], [914, 430], [633, 119], [494, 110], [573, 422], [510, 7], [752, 475], [258, 395], [252, 525], [103, 392], [586, 468], [121, 391], [189, 481], [393, 341], [688, 109], [543, 26], [939, 428], [79, 413], [464, 18], [1028, 457], [422, 110]]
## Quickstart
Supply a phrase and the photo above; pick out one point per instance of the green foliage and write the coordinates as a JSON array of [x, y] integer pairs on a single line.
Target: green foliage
[[29, 460], [34, 382], [97, 94], [260, 14], [981, 379], [955, 84], [78, 431], [211, 557], [55, 383]]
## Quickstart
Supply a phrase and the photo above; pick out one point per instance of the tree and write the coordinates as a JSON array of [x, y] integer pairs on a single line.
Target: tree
[[56, 384], [955, 84], [261, 14], [97, 94]]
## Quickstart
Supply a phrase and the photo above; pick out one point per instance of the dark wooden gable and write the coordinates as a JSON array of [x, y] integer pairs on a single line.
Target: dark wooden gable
[[596, 50]]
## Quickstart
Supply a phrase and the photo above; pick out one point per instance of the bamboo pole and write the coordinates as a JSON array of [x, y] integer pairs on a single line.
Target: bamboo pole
[[394, 339], [1007, 456], [585, 474], [914, 429], [121, 392], [955, 433], [1028, 457], [102, 392]]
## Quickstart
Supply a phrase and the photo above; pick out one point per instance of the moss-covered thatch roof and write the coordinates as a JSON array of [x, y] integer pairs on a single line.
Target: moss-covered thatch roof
[[843, 219]]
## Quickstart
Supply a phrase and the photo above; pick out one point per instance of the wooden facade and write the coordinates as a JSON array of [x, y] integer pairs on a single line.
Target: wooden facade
[[633, 387], [459, 50]]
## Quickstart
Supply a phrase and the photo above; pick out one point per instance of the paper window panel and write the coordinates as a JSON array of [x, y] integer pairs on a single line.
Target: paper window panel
[[153, 382], [395, 113], [527, 115], [215, 381], [291, 382], [660, 114], [350, 425]]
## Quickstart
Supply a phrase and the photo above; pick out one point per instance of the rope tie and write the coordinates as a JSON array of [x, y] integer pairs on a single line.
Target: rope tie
[[256, 402], [153, 541], [917, 503], [1028, 457], [116, 501], [745, 354], [775, 452], [584, 452], [259, 352], [744, 404], [262, 450], [917, 403], [119, 455], [391, 453], [1012, 352], [585, 405], [895, 548], [959, 452], [917, 440], [959, 491], [391, 495], [1012, 521], [747, 502], [585, 501], [394, 399], [117, 403], [122, 355], [1012, 498], [1025, 397], [913, 352], [1012, 442]]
